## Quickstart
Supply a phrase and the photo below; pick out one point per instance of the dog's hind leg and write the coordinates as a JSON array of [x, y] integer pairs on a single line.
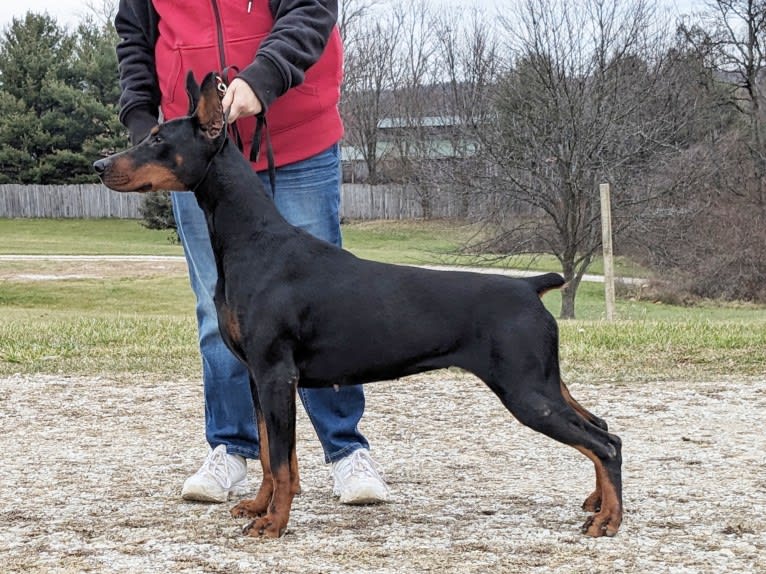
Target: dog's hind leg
[[593, 502], [581, 410], [551, 415], [528, 382]]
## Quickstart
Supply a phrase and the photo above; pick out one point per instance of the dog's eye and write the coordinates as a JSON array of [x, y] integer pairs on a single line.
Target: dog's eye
[[157, 139]]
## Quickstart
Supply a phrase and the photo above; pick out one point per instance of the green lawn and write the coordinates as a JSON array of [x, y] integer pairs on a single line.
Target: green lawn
[[83, 237], [144, 323]]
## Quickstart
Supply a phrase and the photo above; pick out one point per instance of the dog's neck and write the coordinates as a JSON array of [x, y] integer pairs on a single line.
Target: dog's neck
[[231, 191]]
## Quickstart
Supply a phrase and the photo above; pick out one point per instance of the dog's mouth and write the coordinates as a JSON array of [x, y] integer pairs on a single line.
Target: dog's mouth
[[127, 186], [124, 176], [123, 182]]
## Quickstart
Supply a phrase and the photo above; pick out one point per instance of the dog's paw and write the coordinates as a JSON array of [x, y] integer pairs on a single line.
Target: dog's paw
[[251, 508], [593, 502], [265, 527], [601, 524]]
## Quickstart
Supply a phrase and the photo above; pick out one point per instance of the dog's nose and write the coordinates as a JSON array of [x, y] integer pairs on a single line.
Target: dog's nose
[[99, 166]]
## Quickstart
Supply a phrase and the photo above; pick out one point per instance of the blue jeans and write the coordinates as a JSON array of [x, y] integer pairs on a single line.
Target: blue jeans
[[308, 196]]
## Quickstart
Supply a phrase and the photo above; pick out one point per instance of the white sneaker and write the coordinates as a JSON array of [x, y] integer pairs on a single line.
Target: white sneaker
[[358, 480], [221, 475]]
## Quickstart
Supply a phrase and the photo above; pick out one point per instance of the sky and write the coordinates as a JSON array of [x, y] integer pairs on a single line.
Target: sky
[[69, 12]]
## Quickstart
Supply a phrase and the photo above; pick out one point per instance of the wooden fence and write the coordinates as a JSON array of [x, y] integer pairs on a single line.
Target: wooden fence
[[67, 201], [358, 201], [361, 201]]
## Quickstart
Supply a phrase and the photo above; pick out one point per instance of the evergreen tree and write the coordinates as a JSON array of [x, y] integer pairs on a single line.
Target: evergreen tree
[[58, 100]]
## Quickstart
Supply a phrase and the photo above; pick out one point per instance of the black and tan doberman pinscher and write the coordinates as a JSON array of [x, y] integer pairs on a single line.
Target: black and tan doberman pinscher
[[301, 312]]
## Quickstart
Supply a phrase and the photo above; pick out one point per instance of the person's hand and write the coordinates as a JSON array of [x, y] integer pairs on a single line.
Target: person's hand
[[240, 101]]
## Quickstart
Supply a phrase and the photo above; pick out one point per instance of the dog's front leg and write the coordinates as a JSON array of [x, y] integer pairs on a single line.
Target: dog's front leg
[[277, 434], [258, 506]]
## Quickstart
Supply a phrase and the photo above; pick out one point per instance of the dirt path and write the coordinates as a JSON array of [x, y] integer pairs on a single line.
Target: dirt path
[[99, 266], [91, 470], [54, 268]]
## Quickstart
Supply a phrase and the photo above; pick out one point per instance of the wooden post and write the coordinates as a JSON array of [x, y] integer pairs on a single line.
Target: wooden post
[[606, 241]]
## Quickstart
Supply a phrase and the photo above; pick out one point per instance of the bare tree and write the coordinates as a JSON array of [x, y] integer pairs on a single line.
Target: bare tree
[[368, 78], [709, 238], [468, 68], [731, 35], [103, 11], [351, 17], [705, 241], [584, 103], [415, 118]]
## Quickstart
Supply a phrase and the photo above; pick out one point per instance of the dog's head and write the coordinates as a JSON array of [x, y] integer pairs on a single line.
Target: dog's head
[[176, 154]]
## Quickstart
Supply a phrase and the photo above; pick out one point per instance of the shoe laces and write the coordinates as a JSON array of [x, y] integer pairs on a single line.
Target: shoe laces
[[359, 463], [216, 464]]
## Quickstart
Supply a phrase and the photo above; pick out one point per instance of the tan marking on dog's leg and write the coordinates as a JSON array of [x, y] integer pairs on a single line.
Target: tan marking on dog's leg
[[258, 506], [273, 524], [593, 502], [607, 520], [295, 480]]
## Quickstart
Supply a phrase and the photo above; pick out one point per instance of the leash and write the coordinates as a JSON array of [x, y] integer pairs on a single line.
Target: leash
[[261, 129], [223, 81]]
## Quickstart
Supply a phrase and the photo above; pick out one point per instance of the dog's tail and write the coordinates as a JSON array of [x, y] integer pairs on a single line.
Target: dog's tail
[[544, 283]]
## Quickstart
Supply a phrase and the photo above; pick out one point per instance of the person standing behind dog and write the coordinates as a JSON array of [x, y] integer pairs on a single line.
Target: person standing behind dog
[[282, 58]]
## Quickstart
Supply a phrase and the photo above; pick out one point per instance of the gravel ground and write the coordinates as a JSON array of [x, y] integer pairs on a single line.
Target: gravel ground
[[92, 468]]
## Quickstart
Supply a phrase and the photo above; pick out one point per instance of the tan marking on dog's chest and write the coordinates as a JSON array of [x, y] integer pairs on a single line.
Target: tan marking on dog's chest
[[231, 324]]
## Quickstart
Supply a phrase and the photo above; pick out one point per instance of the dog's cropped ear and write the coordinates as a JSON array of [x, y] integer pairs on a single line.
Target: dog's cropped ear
[[192, 90], [209, 109]]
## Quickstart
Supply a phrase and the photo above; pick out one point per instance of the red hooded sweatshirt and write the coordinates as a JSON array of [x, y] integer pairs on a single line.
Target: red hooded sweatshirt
[[288, 51]]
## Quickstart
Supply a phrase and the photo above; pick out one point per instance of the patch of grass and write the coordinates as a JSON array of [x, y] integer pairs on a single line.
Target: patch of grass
[[91, 326], [590, 307], [411, 242], [95, 344], [147, 325], [640, 350], [439, 242], [150, 296], [84, 237]]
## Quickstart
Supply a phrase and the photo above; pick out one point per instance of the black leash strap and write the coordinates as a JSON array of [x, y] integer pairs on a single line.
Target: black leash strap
[[262, 129], [231, 72]]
